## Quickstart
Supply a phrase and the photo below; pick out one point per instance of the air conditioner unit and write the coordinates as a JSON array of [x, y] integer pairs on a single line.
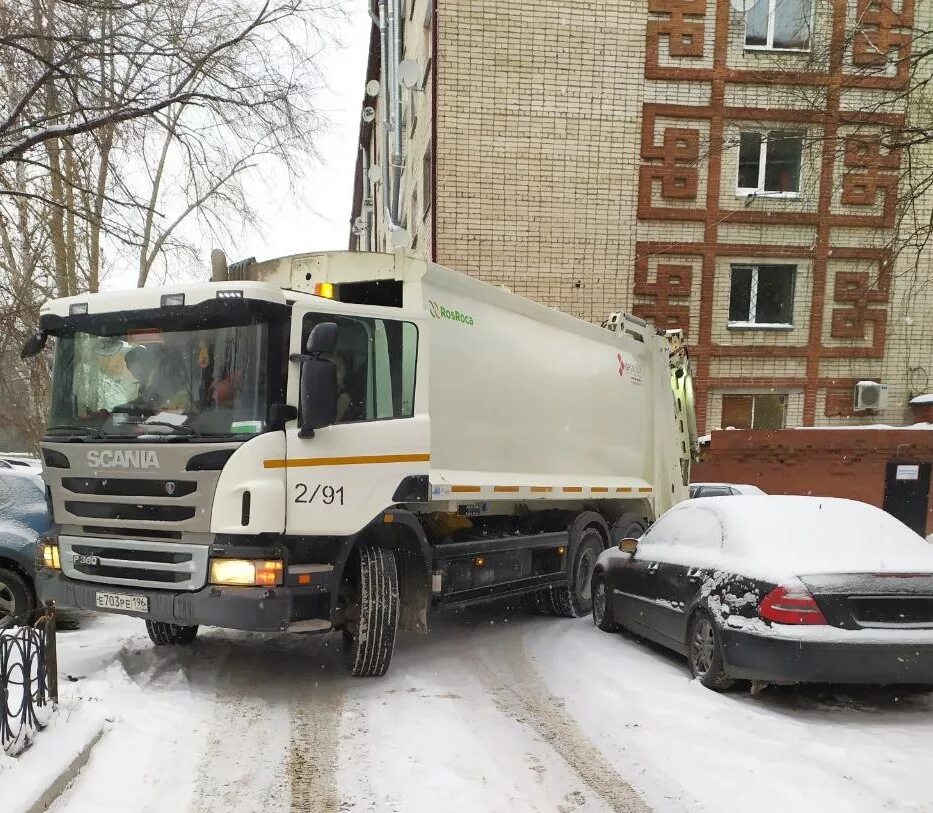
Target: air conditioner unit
[[869, 395]]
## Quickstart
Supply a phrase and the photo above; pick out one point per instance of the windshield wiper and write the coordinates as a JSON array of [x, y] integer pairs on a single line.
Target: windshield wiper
[[184, 430], [87, 430]]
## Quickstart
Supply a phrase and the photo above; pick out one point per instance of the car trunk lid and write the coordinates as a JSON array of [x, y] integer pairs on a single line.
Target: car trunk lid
[[874, 600]]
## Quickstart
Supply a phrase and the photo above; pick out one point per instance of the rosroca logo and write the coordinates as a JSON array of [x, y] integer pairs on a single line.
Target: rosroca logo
[[440, 312]]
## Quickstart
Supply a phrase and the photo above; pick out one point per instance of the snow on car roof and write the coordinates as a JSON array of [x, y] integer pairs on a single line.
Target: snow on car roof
[[779, 537]]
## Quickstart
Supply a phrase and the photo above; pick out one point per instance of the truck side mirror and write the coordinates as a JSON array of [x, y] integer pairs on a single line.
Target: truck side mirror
[[33, 345], [318, 394], [323, 339], [279, 415]]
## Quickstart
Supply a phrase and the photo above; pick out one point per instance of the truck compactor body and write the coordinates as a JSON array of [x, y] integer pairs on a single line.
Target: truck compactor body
[[346, 441]]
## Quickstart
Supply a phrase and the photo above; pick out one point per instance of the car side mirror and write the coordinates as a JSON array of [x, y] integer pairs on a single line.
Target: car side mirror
[[323, 339], [318, 395], [34, 345], [629, 546]]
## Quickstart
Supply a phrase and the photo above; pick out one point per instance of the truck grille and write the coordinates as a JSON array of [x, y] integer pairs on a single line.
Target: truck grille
[[127, 511], [117, 487], [134, 563]]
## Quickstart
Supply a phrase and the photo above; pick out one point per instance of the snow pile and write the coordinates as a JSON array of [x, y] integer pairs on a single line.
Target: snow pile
[[776, 538], [922, 399]]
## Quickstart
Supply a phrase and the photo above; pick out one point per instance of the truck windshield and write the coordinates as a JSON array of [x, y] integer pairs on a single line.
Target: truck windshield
[[156, 380]]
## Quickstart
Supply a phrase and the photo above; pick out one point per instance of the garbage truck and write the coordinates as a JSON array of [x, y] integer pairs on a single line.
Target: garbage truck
[[346, 441]]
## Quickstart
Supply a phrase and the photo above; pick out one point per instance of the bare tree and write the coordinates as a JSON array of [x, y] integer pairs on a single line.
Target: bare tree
[[124, 121]]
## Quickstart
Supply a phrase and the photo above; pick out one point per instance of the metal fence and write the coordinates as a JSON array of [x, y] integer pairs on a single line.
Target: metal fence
[[28, 676]]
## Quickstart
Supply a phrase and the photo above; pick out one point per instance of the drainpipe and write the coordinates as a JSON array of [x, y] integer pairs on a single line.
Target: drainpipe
[[386, 94], [366, 198], [395, 94]]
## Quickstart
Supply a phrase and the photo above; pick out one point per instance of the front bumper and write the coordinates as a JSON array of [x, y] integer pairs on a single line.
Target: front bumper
[[751, 656], [260, 609]]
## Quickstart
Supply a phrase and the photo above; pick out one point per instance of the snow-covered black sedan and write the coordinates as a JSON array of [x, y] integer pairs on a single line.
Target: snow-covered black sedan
[[777, 590]]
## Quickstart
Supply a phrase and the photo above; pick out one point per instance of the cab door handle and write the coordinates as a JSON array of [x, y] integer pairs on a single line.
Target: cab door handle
[[653, 568], [693, 575]]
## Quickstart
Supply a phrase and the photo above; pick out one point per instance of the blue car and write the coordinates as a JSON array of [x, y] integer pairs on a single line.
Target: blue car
[[24, 516]]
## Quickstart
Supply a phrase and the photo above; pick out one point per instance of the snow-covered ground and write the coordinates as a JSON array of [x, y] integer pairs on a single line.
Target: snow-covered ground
[[494, 710]]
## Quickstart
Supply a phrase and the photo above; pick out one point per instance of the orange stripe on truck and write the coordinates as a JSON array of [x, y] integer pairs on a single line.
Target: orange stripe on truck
[[358, 460], [505, 489], [466, 489]]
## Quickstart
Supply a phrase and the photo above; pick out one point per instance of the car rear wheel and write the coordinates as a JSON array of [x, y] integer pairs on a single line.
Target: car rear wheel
[[602, 610], [15, 596], [163, 633], [704, 650]]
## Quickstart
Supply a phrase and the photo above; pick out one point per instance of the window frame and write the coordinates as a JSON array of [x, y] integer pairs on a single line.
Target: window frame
[[309, 314], [760, 191], [785, 403], [769, 37], [751, 324]]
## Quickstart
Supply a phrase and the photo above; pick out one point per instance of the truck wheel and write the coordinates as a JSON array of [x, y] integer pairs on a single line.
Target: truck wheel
[[164, 634], [576, 598], [628, 526], [15, 596], [372, 613], [704, 650]]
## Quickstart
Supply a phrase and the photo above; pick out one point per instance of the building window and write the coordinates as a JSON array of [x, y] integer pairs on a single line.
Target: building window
[[779, 25], [427, 177], [769, 163], [762, 296], [754, 411]]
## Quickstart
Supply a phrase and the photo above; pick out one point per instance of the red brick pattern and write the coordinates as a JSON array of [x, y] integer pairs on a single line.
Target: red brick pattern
[[672, 282], [882, 33], [672, 174], [684, 36], [869, 171]]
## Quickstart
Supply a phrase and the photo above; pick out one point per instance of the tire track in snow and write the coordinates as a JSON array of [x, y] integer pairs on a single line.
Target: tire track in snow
[[316, 712], [247, 742], [518, 692]]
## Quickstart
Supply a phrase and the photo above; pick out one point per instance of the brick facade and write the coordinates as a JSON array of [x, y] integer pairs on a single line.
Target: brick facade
[[585, 155]]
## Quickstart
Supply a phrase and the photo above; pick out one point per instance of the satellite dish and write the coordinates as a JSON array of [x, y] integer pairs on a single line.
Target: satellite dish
[[359, 224], [372, 87], [369, 114], [400, 238], [375, 173], [409, 73], [742, 6]]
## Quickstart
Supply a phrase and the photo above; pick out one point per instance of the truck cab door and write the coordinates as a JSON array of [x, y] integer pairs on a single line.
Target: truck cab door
[[376, 453]]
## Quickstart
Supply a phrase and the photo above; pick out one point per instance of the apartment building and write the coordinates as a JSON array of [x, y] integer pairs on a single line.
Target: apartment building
[[720, 166]]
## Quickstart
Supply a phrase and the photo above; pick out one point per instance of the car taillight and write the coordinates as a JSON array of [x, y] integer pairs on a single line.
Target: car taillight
[[791, 604]]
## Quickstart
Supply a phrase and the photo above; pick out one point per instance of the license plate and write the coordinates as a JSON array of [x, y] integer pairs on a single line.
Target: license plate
[[119, 601]]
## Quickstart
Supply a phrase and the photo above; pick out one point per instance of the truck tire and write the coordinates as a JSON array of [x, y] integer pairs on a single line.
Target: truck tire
[[575, 598], [628, 526], [163, 633], [16, 598], [372, 614]]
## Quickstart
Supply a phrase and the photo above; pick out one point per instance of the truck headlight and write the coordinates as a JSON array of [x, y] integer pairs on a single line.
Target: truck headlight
[[49, 556], [246, 572]]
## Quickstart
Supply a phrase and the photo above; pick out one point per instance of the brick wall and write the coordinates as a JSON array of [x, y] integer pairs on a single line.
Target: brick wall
[[586, 157], [824, 463]]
